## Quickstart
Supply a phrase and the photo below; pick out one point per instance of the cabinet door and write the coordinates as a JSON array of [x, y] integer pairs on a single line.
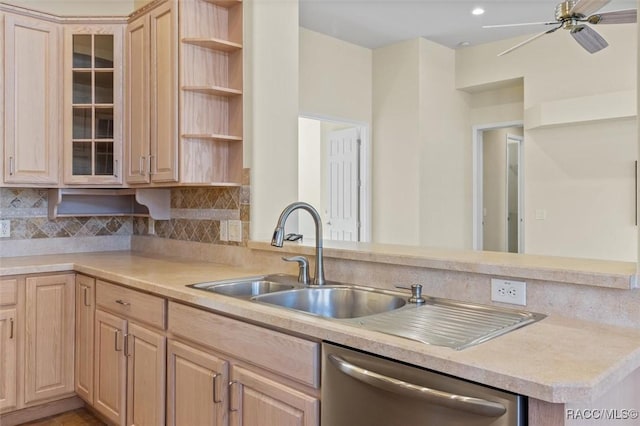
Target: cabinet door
[[85, 315], [8, 359], [146, 362], [164, 92], [32, 100], [93, 97], [259, 401], [137, 100], [197, 391], [49, 314], [110, 367]]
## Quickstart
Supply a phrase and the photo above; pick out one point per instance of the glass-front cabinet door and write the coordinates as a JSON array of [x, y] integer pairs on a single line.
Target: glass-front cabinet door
[[93, 104]]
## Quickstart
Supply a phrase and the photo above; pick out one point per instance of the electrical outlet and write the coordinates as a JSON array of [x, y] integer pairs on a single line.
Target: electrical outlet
[[5, 228], [235, 230], [224, 230], [508, 291]]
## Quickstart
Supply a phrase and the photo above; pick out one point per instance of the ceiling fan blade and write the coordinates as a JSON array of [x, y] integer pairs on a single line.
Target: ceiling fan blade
[[527, 41], [587, 7], [519, 25], [588, 38], [628, 16]]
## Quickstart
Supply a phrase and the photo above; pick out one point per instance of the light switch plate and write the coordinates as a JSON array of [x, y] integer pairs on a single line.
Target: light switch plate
[[5, 228], [224, 230], [235, 230]]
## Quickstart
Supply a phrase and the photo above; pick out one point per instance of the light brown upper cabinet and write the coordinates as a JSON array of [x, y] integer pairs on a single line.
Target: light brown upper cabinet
[[152, 107], [211, 91], [32, 103], [93, 99]]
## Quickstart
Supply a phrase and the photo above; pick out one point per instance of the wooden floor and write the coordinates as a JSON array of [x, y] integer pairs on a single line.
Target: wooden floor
[[79, 417]]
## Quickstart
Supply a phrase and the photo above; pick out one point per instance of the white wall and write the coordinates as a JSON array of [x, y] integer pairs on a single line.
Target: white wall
[[271, 110], [445, 159], [309, 170], [335, 78], [396, 144], [581, 174]]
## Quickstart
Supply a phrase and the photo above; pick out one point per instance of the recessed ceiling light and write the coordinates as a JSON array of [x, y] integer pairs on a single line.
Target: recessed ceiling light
[[477, 11]]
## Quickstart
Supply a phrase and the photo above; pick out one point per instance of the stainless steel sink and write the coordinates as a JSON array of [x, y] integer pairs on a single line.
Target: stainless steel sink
[[441, 322], [335, 302], [248, 287]]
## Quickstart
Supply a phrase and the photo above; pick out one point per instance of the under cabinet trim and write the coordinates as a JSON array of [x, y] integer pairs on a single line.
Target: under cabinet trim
[[145, 202]]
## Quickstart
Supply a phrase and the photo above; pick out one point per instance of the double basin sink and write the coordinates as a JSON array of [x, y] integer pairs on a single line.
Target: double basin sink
[[329, 301], [437, 321]]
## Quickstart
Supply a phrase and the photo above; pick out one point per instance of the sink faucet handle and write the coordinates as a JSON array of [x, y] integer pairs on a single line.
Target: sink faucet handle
[[303, 268]]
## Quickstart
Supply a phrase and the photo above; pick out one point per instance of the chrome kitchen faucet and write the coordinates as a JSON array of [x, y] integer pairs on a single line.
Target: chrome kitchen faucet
[[278, 236]]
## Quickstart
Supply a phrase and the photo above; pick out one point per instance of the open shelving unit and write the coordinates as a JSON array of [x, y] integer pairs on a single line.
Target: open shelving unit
[[211, 91]]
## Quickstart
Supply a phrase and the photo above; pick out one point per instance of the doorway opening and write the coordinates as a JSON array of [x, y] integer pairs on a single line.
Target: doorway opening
[[498, 187], [334, 176]]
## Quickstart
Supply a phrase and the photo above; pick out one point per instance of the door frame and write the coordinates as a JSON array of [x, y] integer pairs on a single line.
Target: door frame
[[477, 132], [515, 139], [365, 169]]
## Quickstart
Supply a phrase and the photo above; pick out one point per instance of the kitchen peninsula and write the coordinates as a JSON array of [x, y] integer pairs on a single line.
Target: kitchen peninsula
[[572, 359]]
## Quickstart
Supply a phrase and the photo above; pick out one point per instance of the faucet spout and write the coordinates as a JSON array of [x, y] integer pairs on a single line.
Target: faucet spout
[[278, 235]]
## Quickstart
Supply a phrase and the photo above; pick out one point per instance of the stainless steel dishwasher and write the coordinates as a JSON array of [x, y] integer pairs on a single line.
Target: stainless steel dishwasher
[[360, 389]]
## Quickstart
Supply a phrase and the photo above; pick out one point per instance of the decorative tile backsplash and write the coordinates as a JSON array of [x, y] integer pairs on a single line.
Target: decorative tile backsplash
[[27, 210], [196, 214]]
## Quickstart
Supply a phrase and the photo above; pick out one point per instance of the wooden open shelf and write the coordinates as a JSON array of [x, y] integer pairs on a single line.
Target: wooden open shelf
[[212, 137], [213, 90], [213, 43]]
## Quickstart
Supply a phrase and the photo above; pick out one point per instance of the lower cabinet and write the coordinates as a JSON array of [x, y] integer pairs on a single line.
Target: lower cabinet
[[130, 356], [8, 344], [36, 340], [49, 325], [197, 387], [236, 373], [85, 319], [257, 400]]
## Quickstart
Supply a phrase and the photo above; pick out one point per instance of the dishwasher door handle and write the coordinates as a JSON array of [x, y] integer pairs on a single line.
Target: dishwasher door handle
[[459, 402]]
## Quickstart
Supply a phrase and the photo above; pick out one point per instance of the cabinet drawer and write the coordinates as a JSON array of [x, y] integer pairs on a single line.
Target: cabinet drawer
[[286, 355], [9, 291], [131, 304]]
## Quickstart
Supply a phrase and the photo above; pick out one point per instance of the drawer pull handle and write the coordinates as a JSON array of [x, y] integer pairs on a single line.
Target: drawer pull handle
[[215, 389], [127, 345], [231, 398], [118, 347], [85, 290], [10, 328], [123, 303]]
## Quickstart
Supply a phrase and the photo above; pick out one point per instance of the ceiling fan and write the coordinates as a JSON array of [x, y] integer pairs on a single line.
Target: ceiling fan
[[576, 16]]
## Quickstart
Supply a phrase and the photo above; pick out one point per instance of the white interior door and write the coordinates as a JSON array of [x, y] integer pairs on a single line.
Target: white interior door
[[343, 208]]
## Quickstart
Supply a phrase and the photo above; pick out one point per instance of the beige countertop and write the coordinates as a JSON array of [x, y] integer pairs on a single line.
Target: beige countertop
[[556, 359], [593, 272]]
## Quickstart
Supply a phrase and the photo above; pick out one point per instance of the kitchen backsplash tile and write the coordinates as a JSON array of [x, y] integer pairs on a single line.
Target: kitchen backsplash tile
[[27, 210], [196, 213]]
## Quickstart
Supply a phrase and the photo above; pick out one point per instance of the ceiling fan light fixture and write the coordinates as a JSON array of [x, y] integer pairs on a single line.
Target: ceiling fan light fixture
[[589, 39]]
